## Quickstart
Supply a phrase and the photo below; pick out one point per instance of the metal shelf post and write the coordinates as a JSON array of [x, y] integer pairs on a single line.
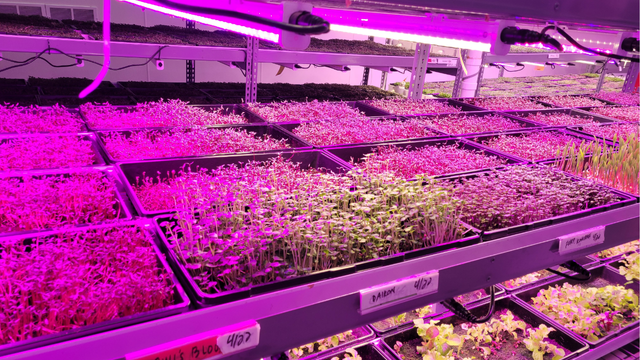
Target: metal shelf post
[[251, 68], [419, 71]]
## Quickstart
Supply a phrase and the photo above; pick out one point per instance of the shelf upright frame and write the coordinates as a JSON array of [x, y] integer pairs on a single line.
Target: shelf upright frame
[[481, 73], [419, 71], [251, 68], [457, 84], [191, 64], [631, 78], [601, 78]]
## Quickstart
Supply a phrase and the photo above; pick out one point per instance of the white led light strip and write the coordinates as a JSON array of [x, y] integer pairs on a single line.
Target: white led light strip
[[208, 21], [463, 44]]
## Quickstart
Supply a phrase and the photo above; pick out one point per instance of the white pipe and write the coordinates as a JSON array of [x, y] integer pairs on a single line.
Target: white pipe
[[473, 63]]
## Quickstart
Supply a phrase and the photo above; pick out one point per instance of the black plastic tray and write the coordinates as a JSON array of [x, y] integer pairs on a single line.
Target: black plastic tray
[[227, 109], [586, 261], [367, 351], [129, 171], [625, 200], [357, 152], [180, 298], [258, 129], [561, 336], [452, 102], [606, 102], [290, 126], [482, 138], [367, 110], [532, 98], [204, 300], [527, 124], [329, 353], [97, 154], [107, 171], [599, 272], [573, 112], [578, 129]]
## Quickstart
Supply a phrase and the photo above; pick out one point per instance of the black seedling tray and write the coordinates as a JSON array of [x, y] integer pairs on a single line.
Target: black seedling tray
[[579, 129], [290, 126], [97, 154], [531, 98], [139, 169], [481, 139], [438, 309], [122, 204], [526, 124], [357, 152], [561, 336], [606, 102], [572, 112], [259, 130], [367, 110], [181, 301], [597, 273], [624, 200], [367, 351], [451, 102], [609, 101], [367, 335], [586, 261]]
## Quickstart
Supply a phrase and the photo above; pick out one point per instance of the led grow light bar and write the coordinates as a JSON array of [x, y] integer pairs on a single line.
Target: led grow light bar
[[531, 63], [257, 31], [585, 62]]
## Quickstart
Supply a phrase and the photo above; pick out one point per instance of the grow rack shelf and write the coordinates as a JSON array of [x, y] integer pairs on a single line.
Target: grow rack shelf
[[35, 44], [541, 58], [285, 316]]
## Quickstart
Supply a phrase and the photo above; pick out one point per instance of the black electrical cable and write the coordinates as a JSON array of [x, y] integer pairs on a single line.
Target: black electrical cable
[[316, 24], [575, 267], [511, 71], [586, 49], [302, 67], [462, 312]]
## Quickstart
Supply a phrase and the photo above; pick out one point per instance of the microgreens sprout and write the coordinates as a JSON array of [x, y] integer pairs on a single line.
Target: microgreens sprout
[[569, 101], [534, 146], [413, 107], [624, 113], [630, 268], [320, 345], [505, 103], [303, 111], [469, 123], [620, 249], [619, 97]]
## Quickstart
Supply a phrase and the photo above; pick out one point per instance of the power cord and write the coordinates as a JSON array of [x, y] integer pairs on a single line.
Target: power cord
[[49, 49], [584, 48], [575, 267], [462, 312], [301, 22]]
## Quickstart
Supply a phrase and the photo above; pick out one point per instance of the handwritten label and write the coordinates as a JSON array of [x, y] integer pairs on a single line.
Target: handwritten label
[[554, 56], [581, 239], [448, 62], [208, 345], [381, 296]]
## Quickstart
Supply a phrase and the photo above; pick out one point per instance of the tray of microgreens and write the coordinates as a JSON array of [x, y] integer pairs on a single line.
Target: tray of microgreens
[[336, 132], [539, 276], [156, 143], [274, 224], [328, 346], [615, 253], [618, 113], [408, 160], [65, 284], [628, 266], [596, 310], [471, 123], [165, 186], [619, 131], [619, 98], [35, 119], [169, 113], [49, 151], [506, 103], [405, 319], [41, 200], [533, 145], [367, 351], [518, 198], [514, 332], [573, 101], [418, 107], [560, 117], [312, 110]]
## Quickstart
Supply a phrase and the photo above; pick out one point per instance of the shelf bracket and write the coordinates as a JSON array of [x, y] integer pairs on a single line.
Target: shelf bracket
[[457, 84], [419, 71], [251, 68]]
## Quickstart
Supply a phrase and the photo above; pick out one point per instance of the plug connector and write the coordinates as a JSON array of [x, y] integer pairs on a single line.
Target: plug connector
[[512, 35]]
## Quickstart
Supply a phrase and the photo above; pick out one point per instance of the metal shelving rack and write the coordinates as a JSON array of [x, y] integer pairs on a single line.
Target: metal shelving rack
[[299, 315]]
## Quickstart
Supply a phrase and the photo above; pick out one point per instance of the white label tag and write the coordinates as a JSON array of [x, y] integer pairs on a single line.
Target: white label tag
[[448, 62], [377, 297], [554, 56], [581, 239], [208, 345]]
